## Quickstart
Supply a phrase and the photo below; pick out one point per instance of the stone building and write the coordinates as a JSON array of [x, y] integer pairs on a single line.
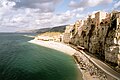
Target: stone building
[[81, 27], [91, 19], [99, 16], [118, 35], [68, 29], [103, 41], [112, 46], [77, 24], [67, 34], [107, 20]]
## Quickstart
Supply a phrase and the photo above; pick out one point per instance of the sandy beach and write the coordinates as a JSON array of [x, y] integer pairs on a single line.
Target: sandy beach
[[67, 50], [55, 45]]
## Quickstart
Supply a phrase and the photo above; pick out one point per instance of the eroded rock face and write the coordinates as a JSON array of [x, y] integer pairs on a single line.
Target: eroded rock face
[[112, 45], [103, 40], [111, 49]]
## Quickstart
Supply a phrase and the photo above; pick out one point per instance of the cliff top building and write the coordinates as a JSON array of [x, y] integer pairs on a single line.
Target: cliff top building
[[68, 28], [92, 15], [99, 16], [77, 24], [107, 20], [67, 35], [90, 19]]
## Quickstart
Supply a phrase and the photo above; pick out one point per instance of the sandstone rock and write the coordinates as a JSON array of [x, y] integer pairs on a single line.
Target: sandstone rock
[[102, 40]]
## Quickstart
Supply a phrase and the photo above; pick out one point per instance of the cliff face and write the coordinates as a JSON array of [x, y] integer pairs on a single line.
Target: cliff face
[[112, 43], [103, 40]]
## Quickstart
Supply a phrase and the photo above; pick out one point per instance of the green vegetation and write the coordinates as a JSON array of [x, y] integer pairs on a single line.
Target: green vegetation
[[53, 29]]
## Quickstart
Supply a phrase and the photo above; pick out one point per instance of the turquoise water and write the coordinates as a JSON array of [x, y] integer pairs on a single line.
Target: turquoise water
[[20, 60]]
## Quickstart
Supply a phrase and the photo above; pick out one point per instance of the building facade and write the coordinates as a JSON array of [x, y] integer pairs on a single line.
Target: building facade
[[67, 34], [99, 16]]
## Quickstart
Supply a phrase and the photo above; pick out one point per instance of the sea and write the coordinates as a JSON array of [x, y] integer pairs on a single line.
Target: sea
[[21, 60]]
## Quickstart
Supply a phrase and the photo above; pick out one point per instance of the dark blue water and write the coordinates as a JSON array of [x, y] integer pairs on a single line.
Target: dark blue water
[[20, 60]]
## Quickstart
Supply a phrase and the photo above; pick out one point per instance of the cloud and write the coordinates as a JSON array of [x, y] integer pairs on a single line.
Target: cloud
[[43, 5], [117, 5], [19, 15], [82, 16], [24, 18], [88, 3], [7, 4], [50, 19], [77, 13], [33, 3], [77, 10]]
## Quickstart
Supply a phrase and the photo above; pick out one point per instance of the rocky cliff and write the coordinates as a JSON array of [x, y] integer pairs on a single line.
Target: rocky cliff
[[102, 40]]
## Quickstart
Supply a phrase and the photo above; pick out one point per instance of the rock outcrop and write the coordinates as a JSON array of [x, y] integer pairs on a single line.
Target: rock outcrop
[[102, 40]]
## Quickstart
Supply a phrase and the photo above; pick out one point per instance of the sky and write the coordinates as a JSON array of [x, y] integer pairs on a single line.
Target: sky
[[20, 15]]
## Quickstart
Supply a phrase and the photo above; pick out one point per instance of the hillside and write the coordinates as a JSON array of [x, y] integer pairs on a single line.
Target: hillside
[[54, 29]]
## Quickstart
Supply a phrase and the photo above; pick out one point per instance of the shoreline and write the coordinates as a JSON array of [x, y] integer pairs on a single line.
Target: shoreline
[[55, 45], [66, 49]]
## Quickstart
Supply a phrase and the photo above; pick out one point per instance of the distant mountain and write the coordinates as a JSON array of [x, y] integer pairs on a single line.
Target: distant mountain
[[43, 30], [53, 29]]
